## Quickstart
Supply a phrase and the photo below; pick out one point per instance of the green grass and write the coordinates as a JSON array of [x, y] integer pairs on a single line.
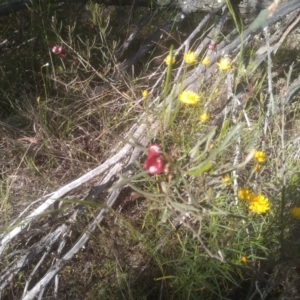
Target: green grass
[[177, 235]]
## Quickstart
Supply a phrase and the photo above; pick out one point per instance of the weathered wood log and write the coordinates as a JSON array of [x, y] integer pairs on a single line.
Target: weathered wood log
[[285, 8], [186, 6], [116, 164]]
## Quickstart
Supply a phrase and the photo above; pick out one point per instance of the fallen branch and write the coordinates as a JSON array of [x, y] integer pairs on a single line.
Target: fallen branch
[[72, 185], [119, 163]]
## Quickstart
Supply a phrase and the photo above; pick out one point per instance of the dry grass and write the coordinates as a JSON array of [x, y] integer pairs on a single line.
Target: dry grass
[[179, 235]]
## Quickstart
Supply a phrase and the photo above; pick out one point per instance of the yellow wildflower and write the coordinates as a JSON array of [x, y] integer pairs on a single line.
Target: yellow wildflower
[[204, 117], [189, 97], [244, 194], [259, 204], [145, 93], [205, 61], [224, 64], [295, 212], [190, 57], [169, 60], [260, 156], [226, 180], [244, 259], [257, 168]]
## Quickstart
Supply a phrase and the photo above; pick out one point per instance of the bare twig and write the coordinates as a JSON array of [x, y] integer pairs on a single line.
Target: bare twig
[[210, 254], [271, 104]]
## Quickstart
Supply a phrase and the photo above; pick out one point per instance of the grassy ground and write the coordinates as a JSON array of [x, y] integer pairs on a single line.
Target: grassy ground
[[184, 234]]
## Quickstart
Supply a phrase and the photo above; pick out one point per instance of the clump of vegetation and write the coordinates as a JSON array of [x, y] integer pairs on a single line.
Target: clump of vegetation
[[162, 167]]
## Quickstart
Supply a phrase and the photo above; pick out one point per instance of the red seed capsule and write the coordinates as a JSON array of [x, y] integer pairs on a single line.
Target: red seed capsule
[[211, 46], [155, 161]]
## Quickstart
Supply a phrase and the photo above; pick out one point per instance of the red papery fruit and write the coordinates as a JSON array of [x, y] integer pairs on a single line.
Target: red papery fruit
[[155, 161], [56, 49], [211, 46], [59, 50]]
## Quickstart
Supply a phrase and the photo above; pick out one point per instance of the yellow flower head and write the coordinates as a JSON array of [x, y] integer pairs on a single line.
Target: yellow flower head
[[205, 61], [259, 204], [145, 93], [224, 64], [204, 117], [169, 60], [260, 156], [257, 168], [244, 259], [244, 194], [190, 57], [189, 98], [226, 180], [295, 212]]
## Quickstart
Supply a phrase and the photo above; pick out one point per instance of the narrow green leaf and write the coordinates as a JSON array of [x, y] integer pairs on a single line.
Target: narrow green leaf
[[224, 128], [200, 169], [169, 73], [184, 207], [194, 152], [260, 20], [229, 139], [165, 216]]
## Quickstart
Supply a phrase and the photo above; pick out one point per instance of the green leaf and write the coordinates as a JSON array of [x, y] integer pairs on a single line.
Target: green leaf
[[260, 20], [184, 207], [224, 128], [229, 139], [194, 152], [166, 215], [200, 169]]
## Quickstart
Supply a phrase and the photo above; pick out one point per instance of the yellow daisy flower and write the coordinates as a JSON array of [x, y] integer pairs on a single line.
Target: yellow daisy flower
[[295, 212], [145, 93], [257, 168], [205, 61], [169, 60], [244, 259], [260, 156], [259, 204], [190, 57], [224, 64], [244, 194], [204, 117], [226, 180], [189, 98]]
